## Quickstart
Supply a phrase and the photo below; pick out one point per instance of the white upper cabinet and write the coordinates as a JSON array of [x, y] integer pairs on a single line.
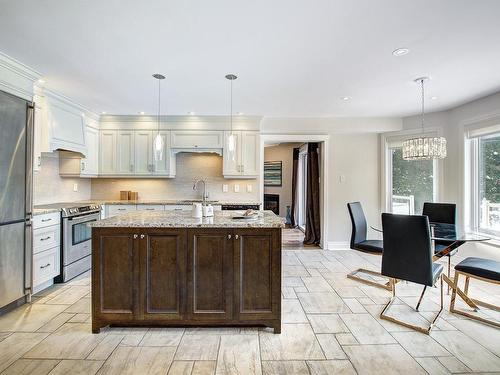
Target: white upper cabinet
[[66, 124], [107, 160], [143, 152], [250, 143], [244, 161], [125, 152], [90, 164], [196, 139]]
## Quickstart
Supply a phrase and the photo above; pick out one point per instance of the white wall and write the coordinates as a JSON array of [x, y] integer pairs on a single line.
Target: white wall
[[355, 159], [49, 187]]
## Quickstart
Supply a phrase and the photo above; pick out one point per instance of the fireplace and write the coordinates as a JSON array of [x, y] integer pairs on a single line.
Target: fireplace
[[272, 202]]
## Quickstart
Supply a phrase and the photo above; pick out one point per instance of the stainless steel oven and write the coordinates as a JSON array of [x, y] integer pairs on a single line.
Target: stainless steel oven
[[77, 240]]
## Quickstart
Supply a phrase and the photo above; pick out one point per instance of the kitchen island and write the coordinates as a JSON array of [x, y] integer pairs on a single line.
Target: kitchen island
[[165, 268]]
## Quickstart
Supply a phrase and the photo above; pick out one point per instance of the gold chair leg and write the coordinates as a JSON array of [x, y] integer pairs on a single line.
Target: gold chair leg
[[425, 330], [353, 276], [471, 302]]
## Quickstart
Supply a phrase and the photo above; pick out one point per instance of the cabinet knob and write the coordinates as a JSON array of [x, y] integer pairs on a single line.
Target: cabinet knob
[[236, 236], [142, 236], [135, 236], [228, 236]]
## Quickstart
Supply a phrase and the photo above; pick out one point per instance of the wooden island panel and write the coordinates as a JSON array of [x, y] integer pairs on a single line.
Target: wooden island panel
[[163, 275], [186, 277]]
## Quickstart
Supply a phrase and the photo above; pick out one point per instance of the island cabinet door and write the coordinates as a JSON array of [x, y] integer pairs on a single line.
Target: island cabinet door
[[163, 275], [210, 276], [115, 275], [257, 268]]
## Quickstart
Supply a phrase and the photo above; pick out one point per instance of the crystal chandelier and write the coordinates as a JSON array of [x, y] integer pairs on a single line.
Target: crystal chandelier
[[158, 142], [424, 148]]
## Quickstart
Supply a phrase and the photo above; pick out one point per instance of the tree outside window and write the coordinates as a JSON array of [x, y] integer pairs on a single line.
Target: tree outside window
[[412, 183]]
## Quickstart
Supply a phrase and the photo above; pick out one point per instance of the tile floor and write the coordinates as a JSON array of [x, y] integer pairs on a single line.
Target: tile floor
[[330, 326]]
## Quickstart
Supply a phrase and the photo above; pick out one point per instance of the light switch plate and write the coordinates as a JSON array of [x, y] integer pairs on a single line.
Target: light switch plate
[[249, 188], [224, 188], [75, 186], [236, 188]]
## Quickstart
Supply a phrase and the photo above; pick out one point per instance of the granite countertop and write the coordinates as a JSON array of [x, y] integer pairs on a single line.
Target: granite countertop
[[168, 202], [183, 219], [45, 210]]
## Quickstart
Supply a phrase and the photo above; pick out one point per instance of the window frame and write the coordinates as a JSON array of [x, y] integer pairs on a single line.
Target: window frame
[[389, 141], [471, 183]]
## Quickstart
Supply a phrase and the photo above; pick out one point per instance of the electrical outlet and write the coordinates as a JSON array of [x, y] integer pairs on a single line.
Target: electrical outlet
[[225, 188], [236, 188], [342, 178], [75, 186], [249, 188]]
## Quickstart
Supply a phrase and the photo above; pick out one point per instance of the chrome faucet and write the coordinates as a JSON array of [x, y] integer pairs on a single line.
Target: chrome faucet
[[204, 189]]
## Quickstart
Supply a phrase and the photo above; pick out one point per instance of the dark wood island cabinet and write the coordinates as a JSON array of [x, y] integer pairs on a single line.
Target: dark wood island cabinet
[[216, 272]]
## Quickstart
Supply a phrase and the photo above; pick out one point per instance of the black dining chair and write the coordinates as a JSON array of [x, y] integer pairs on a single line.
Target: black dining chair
[[360, 243], [445, 213], [408, 256]]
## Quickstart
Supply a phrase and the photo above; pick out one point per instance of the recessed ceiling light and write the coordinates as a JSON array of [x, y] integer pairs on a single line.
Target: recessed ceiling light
[[239, 113], [434, 97], [190, 113], [400, 51], [103, 112], [346, 98], [141, 112], [83, 114], [41, 81]]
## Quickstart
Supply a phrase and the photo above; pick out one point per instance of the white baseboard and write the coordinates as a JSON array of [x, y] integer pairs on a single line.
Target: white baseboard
[[338, 245]]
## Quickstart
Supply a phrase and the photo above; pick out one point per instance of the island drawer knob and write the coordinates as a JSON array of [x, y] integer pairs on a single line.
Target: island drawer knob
[[135, 236], [142, 236], [236, 236], [228, 236]]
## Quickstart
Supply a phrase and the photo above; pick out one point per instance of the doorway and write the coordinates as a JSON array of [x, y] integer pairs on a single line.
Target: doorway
[[277, 164]]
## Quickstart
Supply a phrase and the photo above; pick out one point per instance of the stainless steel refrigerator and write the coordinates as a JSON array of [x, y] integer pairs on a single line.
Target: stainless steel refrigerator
[[16, 189]]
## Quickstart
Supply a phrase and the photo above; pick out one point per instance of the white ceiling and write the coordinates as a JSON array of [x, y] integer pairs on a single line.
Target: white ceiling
[[293, 57]]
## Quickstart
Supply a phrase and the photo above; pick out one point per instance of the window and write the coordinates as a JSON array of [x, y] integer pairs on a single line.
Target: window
[[485, 176], [411, 183]]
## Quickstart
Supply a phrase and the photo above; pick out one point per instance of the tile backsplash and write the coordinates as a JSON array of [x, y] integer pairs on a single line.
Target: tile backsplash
[[49, 187], [189, 167]]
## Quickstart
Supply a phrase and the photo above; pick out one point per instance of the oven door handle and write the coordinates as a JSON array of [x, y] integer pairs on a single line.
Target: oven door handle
[[83, 219]]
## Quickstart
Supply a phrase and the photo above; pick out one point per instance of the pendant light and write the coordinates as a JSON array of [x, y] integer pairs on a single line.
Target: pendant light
[[158, 142], [424, 148], [231, 141]]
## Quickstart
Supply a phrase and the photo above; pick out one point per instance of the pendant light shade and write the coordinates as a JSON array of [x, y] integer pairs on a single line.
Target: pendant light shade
[[424, 148], [158, 145], [231, 139]]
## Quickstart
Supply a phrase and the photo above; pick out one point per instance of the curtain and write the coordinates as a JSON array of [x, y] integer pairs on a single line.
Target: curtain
[[295, 169], [313, 225]]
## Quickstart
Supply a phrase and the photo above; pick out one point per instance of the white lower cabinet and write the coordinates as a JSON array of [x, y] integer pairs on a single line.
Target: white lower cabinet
[[46, 266], [178, 207], [46, 250], [118, 209], [150, 207]]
